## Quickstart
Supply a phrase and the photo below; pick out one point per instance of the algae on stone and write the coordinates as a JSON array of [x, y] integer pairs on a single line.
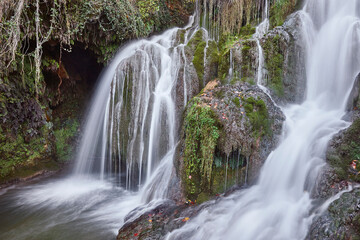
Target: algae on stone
[[201, 134], [274, 61]]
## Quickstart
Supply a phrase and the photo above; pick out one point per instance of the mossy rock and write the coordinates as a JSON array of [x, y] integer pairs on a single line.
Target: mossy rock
[[196, 39], [223, 126], [198, 62], [346, 150], [274, 61], [281, 9], [247, 59], [224, 64], [247, 31], [258, 116], [201, 134], [21, 158], [64, 138], [180, 36], [212, 62]]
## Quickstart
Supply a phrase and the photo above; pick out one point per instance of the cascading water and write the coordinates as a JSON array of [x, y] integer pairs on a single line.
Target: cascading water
[[129, 139], [279, 206], [261, 30], [137, 118]]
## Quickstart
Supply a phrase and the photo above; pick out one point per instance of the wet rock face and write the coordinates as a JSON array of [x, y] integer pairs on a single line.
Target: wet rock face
[[228, 132], [156, 223], [354, 98], [341, 221], [344, 151], [284, 61], [284, 54]]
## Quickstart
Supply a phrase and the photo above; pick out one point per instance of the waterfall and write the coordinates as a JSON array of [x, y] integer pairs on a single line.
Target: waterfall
[[131, 126], [279, 205], [261, 30], [124, 162], [134, 100]]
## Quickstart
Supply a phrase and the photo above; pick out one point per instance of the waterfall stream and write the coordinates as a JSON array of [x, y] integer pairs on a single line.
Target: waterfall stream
[[125, 159], [279, 205]]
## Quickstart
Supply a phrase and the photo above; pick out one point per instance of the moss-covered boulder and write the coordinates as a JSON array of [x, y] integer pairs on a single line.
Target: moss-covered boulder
[[202, 54], [238, 56], [281, 9], [284, 55], [343, 150], [228, 131]]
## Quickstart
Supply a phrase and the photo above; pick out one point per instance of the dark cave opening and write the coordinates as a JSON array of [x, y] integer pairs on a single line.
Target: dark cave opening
[[70, 77]]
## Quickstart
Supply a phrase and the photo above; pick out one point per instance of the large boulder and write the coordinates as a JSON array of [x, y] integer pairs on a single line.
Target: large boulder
[[342, 218], [228, 131], [340, 221], [284, 56]]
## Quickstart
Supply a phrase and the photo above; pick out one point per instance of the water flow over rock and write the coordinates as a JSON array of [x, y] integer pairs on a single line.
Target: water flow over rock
[[279, 206], [129, 139], [132, 122]]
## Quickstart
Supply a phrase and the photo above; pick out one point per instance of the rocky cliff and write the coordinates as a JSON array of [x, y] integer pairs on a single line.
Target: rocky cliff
[[51, 54]]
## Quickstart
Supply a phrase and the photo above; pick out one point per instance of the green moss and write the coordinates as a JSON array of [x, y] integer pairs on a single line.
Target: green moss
[[224, 64], [203, 197], [201, 134], [16, 153], [258, 116], [236, 101], [349, 149], [198, 62], [280, 10], [107, 52], [196, 46], [49, 62], [249, 108], [246, 64], [195, 40], [213, 53], [249, 80], [226, 43], [247, 31], [27, 71], [232, 168], [63, 138], [235, 79], [180, 36], [357, 223], [220, 93], [274, 61], [212, 60]]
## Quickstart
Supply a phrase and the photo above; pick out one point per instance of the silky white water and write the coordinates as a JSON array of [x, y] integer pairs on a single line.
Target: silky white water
[[130, 138], [279, 205], [125, 160]]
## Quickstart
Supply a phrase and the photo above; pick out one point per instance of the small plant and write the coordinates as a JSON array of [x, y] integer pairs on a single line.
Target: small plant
[[257, 113], [236, 101], [202, 132], [63, 136]]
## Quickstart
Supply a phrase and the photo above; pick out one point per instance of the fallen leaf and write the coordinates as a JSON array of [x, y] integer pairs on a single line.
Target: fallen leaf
[[186, 219]]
